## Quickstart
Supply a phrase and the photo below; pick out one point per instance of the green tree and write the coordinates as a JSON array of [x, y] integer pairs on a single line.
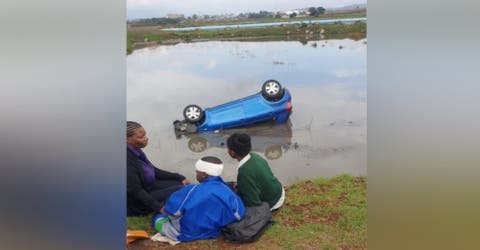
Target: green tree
[[320, 10]]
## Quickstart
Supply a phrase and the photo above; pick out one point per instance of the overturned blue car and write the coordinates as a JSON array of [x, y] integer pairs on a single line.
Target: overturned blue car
[[272, 103]]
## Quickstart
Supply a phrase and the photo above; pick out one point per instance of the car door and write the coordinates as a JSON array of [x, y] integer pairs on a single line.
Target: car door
[[227, 115], [256, 110]]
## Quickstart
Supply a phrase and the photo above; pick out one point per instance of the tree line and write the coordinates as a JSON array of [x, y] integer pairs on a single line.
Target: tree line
[[312, 11]]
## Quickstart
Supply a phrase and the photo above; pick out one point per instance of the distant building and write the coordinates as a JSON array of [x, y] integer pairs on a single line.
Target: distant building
[[297, 13], [175, 16]]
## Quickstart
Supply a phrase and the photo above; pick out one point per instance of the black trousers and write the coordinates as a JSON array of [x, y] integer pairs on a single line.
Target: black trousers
[[161, 190]]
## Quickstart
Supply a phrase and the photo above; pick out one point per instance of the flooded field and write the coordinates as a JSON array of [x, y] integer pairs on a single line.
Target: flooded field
[[257, 25], [326, 133]]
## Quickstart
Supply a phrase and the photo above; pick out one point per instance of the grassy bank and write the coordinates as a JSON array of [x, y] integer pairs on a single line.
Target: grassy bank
[[147, 36], [139, 36], [317, 214], [197, 23], [130, 43]]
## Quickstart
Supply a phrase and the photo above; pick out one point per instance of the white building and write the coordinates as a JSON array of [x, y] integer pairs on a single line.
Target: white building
[[175, 16]]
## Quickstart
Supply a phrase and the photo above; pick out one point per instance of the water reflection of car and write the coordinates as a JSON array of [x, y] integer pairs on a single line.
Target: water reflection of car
[[272, 103], [268, 138]]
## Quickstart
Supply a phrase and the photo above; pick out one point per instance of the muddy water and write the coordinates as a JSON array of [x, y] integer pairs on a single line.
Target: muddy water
[[326, 134]]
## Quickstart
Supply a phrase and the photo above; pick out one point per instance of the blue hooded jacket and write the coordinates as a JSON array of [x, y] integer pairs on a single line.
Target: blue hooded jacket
[[204, 209]]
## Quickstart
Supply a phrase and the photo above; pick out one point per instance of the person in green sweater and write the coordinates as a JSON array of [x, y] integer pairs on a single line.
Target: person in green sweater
[[255, 180]]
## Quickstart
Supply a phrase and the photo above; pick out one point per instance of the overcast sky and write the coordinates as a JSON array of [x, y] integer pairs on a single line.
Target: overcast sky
[[160, 8]]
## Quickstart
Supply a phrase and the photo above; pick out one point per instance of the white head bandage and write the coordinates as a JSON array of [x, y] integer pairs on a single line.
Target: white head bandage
[[212, 169]]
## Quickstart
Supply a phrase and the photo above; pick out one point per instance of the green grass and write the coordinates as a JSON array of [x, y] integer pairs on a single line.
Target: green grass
[[324, 213], [130, 43], [302, 32], [333, 15], [141, 36], [139, 223]]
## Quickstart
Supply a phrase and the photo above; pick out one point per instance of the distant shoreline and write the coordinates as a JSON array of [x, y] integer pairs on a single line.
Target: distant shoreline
[[153, 36], [140, 45], [267, 24], [142, 35]]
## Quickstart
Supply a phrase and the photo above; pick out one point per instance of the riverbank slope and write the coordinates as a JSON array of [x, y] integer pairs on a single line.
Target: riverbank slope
[[318, 214], [145, 36]]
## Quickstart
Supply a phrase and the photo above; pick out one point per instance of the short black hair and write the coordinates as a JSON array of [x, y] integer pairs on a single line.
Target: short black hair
[[131, 126], [212, 159], [240, 143]]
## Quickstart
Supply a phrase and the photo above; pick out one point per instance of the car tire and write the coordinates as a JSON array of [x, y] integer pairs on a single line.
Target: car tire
[[273, 152], [193, 113], [272, 90]]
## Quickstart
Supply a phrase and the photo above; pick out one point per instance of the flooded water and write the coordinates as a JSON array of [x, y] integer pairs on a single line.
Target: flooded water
[[259, 25], [326, 133]]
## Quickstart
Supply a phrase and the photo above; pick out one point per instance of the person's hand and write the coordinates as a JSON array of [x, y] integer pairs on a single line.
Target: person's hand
[[185, 182]]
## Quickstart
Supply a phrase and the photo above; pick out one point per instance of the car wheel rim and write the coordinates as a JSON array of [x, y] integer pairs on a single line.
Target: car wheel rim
[[273, 155], [272, 88], [193, 113], [197, 147]]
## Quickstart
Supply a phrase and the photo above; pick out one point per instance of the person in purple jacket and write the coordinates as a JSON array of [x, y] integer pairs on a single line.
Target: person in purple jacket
[[147, 186]]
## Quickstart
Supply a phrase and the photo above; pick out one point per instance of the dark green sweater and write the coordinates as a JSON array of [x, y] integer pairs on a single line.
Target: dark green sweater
[[256, 182]]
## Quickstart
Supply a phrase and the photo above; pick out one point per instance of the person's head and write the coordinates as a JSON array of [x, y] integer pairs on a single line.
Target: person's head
[[239, 145], [136, 135], [208, 166]]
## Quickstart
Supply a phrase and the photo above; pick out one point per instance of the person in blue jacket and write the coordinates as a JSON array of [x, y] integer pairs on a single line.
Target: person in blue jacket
[[199, 211]]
